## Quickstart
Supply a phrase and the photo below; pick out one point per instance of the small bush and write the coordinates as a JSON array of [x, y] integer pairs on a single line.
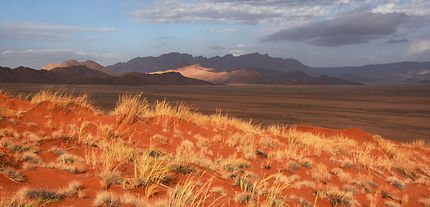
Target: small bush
[[13, 174], [341, 198], [111, 178], [66, 158], [72, 190], [40, 194], [31, 158], [57, 151], [396, 182]]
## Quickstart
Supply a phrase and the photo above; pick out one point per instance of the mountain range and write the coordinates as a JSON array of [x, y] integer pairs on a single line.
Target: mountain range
[[226, 63], [391, 73], [254, 68], [415, 73]]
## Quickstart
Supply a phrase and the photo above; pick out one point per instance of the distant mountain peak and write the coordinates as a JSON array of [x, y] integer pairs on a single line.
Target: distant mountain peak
[[71, 62], [88, 63], [227, 63]]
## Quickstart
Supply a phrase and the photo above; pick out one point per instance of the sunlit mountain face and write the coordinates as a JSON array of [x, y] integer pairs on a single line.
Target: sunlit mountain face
[[317, 33]]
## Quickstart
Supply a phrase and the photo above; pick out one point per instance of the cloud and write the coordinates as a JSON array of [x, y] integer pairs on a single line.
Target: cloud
[[415, 8], [37, 58], [355, 27], [217, 47], [29, 26], [397, 41], [419, 47], [419, 50], [37, 31], [239, 11], [221, 30], [240, 45], [237, 52]]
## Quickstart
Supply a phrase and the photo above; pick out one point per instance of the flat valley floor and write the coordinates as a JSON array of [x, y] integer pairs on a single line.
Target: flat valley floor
[[394, 112]]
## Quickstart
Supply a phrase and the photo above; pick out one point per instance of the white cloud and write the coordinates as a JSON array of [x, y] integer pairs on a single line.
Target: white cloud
[[237, 52], [416, 8], [240, 45], [242, 12], [49, 32], [419, 47]]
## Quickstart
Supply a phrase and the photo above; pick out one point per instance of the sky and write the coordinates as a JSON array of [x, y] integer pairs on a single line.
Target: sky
[[319, 33]]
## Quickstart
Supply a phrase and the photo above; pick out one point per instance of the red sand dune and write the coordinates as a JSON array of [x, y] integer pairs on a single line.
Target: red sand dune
[[162, 155]]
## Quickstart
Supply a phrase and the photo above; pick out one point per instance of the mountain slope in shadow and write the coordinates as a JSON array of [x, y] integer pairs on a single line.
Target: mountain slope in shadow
[[83, 75]]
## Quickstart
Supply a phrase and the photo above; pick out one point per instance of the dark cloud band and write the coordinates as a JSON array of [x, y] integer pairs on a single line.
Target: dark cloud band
[[352, 28]]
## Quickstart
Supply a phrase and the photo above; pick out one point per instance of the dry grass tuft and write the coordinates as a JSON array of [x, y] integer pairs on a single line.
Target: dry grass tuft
[[130, 108], [44, 195], [320, 173], [396, 182], [110, 178], [13, 174], [128, 199], [243, 197], [31, 158], [71, 168], [67, 158], [106, 198], [61, 99], [72, 190], [341, 198], [193, 193], [149, 169]]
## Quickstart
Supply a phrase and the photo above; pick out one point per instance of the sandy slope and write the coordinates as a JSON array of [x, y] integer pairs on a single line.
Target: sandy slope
[[218, 77], [195, 160]]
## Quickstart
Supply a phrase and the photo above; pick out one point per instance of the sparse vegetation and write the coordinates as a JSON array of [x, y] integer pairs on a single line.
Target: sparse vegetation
[[396, 182], [61, 99], [13, 174], [106, 198], [341, 198], [152, 155]]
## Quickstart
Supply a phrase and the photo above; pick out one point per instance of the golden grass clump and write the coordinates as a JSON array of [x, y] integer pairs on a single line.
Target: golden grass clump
[[341, 198], [106, 198], [130, 108], [193, 193], [61, 99], [320, 173], [149, 169]]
